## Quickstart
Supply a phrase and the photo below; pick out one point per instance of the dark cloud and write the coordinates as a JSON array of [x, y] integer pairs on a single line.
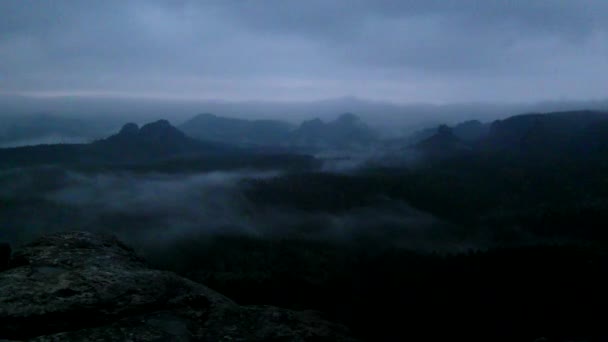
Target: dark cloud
[[291, 50]]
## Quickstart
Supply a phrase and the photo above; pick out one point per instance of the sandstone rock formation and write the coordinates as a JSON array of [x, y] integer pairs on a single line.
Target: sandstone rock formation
[[79, 286]]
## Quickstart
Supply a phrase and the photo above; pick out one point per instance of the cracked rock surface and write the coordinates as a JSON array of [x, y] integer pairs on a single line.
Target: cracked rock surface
[[81, 286]]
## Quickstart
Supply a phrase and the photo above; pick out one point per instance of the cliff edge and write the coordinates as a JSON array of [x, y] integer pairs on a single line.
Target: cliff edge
[[80, 286]]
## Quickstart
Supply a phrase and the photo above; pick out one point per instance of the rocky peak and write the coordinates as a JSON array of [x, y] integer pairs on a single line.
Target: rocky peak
[[80, 286], [158, 132], [442, 144], [160, 129], [129, 129]]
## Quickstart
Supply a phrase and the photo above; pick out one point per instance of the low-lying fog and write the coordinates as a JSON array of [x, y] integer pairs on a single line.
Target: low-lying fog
[[155, 210]]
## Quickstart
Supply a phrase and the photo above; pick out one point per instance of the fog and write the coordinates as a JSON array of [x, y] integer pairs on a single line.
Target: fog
[[152, 211]]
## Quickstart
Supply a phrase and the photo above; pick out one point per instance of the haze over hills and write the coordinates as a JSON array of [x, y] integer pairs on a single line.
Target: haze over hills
[[390, 119], [214, 136], [347, 131]]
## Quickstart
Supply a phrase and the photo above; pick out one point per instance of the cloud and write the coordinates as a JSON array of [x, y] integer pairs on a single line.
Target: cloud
[[403, 51]]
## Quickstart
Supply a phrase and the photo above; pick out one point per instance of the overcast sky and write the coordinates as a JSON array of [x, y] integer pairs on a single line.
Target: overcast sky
[[403, 51]]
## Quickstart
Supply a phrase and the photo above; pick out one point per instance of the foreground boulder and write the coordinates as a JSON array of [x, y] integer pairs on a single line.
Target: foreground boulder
[[80, 286]]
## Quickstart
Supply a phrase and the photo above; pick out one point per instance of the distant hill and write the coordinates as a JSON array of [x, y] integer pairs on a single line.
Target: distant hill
[[560, 135], [346, 131], [234, 131], [392, 119], [443, 143], [561, 132], [469, 131], [154, 141], [157, 146]]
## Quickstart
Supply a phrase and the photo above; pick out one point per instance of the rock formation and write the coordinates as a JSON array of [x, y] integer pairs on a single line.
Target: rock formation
[[5, 255], [79, 286]]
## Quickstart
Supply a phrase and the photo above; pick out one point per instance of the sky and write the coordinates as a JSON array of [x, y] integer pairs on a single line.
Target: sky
[[402, 51]]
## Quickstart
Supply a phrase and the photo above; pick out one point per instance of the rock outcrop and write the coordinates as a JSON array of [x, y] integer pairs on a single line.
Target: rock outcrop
[[129, 129], [80, 286], [5, 255]]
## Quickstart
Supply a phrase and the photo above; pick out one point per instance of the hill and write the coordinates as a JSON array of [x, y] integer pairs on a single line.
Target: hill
[[559, 135], [154, 146], [443, 143], [467, 131], [347, 131], [234, 131], [154, 141], [552, 134]]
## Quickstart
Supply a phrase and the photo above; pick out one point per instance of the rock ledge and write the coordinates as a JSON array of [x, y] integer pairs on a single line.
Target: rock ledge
[[80, 286]]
